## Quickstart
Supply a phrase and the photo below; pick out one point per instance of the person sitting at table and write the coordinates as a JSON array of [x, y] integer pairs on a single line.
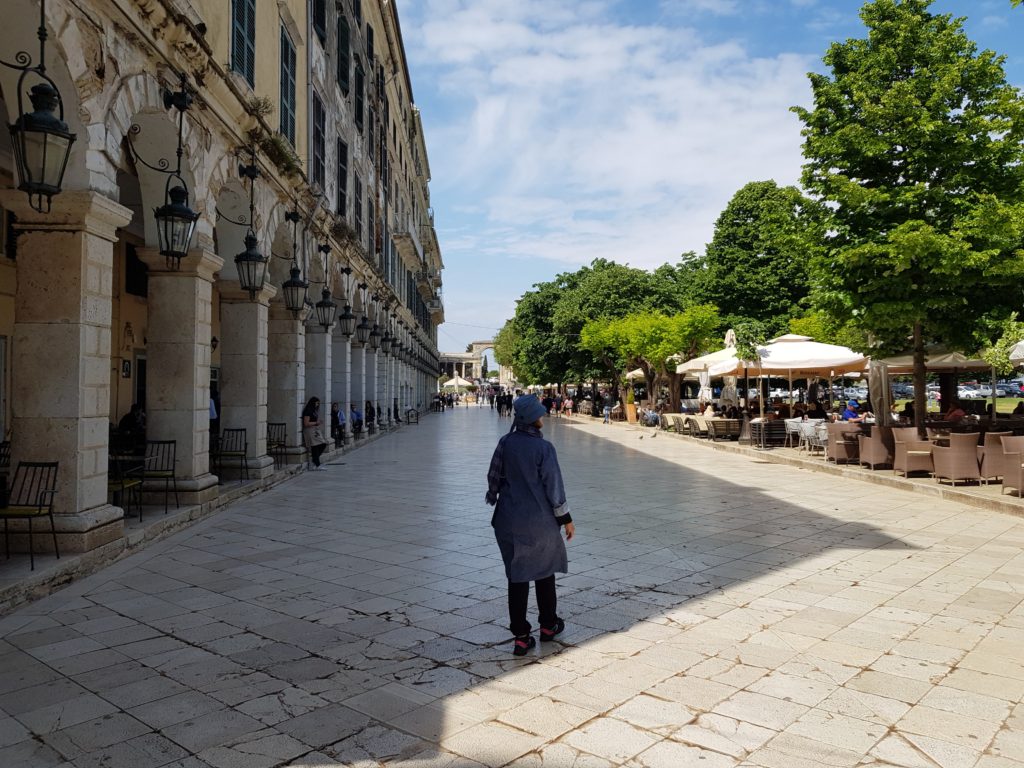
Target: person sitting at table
[[907, 414], [709, 412], [955, 414], [852, 412], [1019, 410], [817, 411]]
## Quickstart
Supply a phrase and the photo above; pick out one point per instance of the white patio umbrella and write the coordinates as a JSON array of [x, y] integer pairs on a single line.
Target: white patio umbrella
[[797, 356], [458, 381], [1017, 353], [637, 374]]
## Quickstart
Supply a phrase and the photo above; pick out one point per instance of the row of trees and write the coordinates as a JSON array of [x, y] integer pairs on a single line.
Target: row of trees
[[909, 231]]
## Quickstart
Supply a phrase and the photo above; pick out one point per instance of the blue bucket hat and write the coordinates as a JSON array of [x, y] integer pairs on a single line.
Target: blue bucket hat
[[528, 409]]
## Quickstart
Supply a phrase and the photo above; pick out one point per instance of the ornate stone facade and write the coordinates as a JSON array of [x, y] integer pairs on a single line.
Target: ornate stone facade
[[92, 318]]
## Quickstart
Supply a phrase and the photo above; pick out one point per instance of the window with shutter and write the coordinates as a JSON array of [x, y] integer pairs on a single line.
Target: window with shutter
[[344, 53], [243, 39], [319, 149], [358, 205], [369, 46], [371, 232], [287, 126], [320, 19], [360, 97], [342, 208]]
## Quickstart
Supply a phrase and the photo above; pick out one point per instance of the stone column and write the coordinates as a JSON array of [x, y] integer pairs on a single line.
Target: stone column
[[358, 379], [371, 381], [60, 358], [341, 386], [286, 374], [319, 366], [178, 332], [243, 370]]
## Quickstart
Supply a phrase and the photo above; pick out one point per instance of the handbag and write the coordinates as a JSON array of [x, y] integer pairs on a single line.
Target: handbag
[[314, 436]]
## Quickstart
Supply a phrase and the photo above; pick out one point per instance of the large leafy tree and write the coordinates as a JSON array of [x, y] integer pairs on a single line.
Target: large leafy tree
[[756, 265], [647, 340], [914, 146]]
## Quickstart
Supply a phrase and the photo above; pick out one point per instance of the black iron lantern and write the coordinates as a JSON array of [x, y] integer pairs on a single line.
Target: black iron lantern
[[252, 267], [363, 330], [326, 309], [386, 341], [347, 322], [294, 290], [175, 223], [175, 220], [375, 337], [40, 139], [41, 143], [250, 264]]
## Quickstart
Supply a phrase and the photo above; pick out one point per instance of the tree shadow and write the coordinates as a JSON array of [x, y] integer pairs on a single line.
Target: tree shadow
[[360, 616]]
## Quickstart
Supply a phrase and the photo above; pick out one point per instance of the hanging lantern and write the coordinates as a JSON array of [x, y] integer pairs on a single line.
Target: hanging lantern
[[386, 342], [326, 310], [252, 267], [294, 290], [375, 338], [363, 330], [42, 145], [347, 322], [175, 223]]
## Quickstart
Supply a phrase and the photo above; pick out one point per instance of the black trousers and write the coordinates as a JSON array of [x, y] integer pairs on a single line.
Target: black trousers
[[314, 453], [519, 597]]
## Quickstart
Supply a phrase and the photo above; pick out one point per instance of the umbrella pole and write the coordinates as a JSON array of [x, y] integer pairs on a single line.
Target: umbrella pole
[[992, 418]]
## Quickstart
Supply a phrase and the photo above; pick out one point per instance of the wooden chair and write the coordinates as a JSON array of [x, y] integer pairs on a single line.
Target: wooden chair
[[1012, 468], [277, 442], [233, 444], [161, 456], [913, 455], [31, 496], [959, 461], [5, 454], [990, 455], [124, 481], [876, 449]]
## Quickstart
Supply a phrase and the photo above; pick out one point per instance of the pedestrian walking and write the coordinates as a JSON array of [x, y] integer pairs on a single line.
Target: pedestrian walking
[[524, 485], [337, 425], [312, 433]]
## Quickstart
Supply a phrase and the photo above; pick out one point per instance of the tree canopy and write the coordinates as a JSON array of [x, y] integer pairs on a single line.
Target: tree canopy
[[913, 146]]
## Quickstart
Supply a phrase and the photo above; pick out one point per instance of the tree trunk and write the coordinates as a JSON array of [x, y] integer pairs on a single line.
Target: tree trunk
[[675, 381], [920, 394]]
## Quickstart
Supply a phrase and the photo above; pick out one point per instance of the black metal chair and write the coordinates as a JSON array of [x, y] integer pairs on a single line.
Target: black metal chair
[[161, 456], [31, 496], [277, 442], [5, 454], [124, 481], [233, 444]]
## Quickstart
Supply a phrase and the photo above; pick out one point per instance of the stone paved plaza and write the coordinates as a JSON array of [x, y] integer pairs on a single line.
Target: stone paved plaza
[[721, 611]]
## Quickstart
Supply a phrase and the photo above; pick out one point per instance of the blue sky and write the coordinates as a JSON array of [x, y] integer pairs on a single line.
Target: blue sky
[[560, 131]]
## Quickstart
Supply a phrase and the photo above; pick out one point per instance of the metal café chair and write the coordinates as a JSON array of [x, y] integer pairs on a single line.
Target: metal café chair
[[234, 444], [31, 496], [124, 481], [277, 441], [160, 462]]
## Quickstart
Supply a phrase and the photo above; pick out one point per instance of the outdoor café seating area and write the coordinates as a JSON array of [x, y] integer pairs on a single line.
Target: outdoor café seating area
[[977, 453]]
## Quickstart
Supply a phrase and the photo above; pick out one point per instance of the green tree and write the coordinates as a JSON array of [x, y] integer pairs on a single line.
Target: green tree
[[914, 147], [756, 265]]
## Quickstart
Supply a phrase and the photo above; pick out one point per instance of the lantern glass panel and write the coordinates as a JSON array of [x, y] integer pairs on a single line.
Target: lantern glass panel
[[347, 322]]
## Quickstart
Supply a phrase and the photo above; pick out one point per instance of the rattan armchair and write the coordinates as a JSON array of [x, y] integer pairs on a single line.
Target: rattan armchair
[[842, 441], [1012, 468], [876, 449], [959, 461], [911, 455], [990, 456]]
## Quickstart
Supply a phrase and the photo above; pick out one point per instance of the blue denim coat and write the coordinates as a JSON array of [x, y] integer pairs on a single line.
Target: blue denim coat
[[525, 484]]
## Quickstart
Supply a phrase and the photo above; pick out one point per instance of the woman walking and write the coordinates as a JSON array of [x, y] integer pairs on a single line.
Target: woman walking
[[524, 484], [312, 433]]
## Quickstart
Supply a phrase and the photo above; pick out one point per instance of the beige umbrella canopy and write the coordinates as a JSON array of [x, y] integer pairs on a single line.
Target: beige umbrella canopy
[[458, 381], [936, 361], [796, 356]]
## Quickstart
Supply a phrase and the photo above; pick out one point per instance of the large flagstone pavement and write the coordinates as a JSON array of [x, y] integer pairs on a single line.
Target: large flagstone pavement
[[721, 612]]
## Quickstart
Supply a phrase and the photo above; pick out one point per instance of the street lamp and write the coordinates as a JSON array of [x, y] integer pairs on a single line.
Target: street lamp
[[294, 288], [175, 220], [250, 263], [40, 139], [346, 320]]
